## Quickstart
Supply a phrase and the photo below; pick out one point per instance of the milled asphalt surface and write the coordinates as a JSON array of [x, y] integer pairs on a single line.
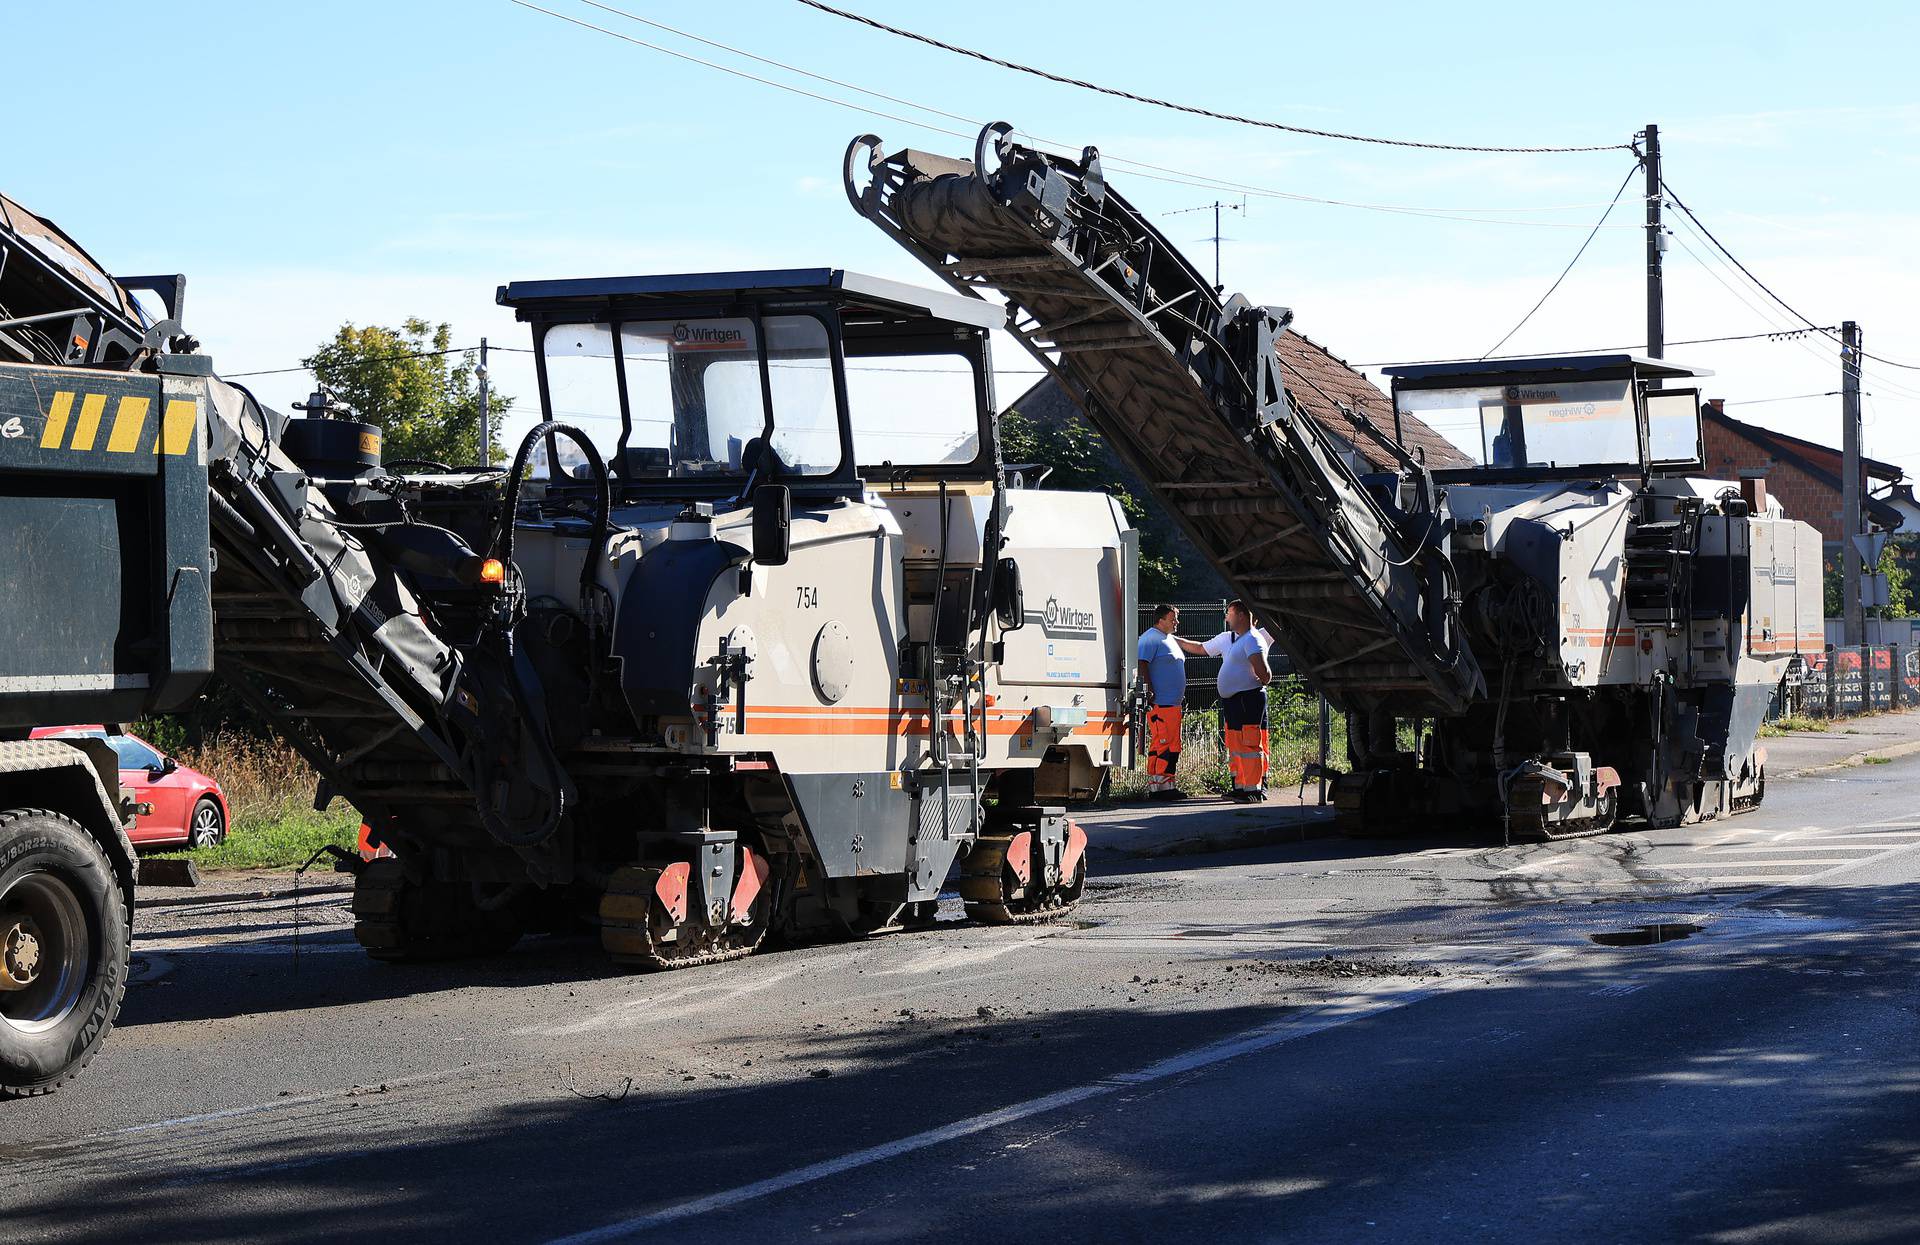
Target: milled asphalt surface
[[1178, 1061]]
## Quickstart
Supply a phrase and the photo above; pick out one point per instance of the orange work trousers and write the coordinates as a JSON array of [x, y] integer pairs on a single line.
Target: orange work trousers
[[1245, 715], [1163, 746]]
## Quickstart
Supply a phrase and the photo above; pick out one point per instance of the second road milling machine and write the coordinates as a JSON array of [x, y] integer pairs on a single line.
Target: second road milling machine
[[1575, 625]]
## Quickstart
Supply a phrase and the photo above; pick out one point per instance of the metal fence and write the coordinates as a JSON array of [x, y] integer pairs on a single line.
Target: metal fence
[[1850, 679]]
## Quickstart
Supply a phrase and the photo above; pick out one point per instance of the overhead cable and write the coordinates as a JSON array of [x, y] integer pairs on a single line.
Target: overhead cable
[[1763, 286], [1591, 234], [1139, 168], [1310, 132]]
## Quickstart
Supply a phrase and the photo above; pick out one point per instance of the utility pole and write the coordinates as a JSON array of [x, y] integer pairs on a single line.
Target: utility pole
[[1216, 242], [486, 414], [1850, 525], [1656, 248]]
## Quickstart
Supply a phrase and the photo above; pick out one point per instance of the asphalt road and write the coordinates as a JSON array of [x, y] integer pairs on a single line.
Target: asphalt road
[[1179, 1062]]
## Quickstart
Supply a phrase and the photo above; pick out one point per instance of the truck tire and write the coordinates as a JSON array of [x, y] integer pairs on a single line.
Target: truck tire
[[65, 939]]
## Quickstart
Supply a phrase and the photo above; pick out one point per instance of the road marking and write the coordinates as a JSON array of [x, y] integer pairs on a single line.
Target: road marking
[[1261, 1038], [1739, 848], [1758, 864]]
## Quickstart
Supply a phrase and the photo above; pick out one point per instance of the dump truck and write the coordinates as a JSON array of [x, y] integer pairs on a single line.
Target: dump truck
[[1574, 628], [108, 613], [753, 638]]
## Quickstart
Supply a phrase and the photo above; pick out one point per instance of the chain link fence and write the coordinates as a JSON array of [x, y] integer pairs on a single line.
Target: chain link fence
[[1846, 680]]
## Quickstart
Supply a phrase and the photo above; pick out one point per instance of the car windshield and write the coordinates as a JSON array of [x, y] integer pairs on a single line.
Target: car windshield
[[1544, 424], [694, 397], [134, 754]]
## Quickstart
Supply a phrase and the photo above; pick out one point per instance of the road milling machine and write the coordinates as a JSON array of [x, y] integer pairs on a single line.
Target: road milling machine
[[751, 639], [1573, 628]]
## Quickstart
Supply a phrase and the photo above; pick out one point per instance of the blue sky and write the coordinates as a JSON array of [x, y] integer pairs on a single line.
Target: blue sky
[[307, 165]]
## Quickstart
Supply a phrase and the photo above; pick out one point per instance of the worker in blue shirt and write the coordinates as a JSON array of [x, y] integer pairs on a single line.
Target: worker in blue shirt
[[1163, 676]]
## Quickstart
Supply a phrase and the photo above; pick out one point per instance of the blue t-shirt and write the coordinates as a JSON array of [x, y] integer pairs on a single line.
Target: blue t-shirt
[[1166, 666]]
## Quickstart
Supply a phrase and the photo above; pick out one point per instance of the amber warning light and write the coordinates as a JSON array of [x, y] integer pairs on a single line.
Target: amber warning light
[[491, 572]]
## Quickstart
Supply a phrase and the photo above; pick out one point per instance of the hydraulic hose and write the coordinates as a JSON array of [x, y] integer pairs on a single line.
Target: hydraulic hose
[[502, 546]]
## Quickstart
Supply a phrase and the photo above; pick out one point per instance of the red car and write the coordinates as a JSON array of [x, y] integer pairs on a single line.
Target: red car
[[189, 809]]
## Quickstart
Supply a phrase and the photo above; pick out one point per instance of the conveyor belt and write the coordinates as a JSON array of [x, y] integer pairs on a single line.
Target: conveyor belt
[[1188, 391]]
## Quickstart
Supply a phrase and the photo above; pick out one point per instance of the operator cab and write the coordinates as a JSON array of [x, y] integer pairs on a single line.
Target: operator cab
[[695, 386], [1572, 416]]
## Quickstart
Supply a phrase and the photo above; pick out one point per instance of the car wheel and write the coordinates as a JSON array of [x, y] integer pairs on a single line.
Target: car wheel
[[208, 828]]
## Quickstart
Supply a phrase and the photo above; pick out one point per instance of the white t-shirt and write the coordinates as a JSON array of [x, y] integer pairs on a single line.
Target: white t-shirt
[[1236, 659]]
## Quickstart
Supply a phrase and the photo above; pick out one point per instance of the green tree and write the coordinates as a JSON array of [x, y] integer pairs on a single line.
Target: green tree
[[1073, 451], [1894, 558], [424, 394]]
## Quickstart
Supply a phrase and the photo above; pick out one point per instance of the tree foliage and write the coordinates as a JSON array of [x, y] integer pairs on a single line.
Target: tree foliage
[[1895, 559], [1073, 451], [424, 395]]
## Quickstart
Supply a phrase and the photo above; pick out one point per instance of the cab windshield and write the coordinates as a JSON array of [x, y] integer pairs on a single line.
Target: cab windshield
[[696, 403], [1542, 424]]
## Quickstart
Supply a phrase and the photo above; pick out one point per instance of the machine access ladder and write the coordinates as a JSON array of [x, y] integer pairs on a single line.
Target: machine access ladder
[[1188, 390]]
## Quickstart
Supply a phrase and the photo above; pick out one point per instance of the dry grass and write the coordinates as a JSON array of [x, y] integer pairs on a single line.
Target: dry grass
[[270, 794]]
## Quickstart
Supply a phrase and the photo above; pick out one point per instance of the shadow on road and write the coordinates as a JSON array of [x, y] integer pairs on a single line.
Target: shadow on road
[[1751, 1083]]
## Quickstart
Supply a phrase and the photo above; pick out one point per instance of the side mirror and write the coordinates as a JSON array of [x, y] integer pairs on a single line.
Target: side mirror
[[772, 524], [1009, 603], [165, 766]]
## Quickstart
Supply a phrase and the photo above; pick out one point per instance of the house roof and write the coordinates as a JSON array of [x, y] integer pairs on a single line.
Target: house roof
[[1354, 408], [1804, 453], [1344, 402], [1820, 462]]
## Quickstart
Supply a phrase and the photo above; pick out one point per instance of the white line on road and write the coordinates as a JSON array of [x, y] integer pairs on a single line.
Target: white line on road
[[1741, 848], [1765, 864], [1265, 1037]]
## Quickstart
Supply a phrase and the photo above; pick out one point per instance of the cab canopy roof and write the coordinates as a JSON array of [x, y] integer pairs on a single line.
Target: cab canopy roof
[[1543, 365], [852, 291]]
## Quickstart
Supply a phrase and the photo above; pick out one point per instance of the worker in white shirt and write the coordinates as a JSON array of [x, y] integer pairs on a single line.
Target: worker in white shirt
[[1163, 676], [1244, 675]]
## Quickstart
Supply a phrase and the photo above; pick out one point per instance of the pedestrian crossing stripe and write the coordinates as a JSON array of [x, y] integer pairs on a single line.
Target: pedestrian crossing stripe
[[126, 432]]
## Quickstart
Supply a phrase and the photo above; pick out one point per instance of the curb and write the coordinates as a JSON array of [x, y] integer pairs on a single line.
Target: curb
[[1859, 758]]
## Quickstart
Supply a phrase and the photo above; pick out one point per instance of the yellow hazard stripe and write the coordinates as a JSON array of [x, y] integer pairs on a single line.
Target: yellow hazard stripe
[[129, 420], [57, 420], [89, 425], [177, 426]]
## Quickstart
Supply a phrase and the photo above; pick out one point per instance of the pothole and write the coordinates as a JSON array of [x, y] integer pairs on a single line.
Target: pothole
[[1646, 935]]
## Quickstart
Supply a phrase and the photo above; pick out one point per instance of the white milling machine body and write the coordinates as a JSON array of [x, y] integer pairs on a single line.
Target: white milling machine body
[[1634, 618], [841, 655]]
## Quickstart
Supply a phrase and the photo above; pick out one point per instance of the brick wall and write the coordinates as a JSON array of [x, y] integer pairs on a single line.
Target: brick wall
[[1731, 456]]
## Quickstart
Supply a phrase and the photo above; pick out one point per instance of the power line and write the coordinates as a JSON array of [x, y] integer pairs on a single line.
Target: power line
[[1763, 286], [1188, 108], [1792, 397], [1591, 235], [1139, 168], [385, 358], [1774, 335]]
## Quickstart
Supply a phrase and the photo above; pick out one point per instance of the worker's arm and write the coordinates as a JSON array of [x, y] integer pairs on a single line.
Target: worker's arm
[[1257, 662], [1146, 679], [1189, 647]]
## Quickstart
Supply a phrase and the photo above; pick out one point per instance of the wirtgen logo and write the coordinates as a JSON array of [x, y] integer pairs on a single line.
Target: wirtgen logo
[[1064, 622], [706, 335]]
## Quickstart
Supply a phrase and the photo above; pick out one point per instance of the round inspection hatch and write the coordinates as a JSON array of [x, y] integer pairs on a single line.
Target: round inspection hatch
[[832, 662]]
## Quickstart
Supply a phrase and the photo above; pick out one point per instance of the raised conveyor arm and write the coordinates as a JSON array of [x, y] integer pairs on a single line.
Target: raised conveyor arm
[[1188, 390]]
